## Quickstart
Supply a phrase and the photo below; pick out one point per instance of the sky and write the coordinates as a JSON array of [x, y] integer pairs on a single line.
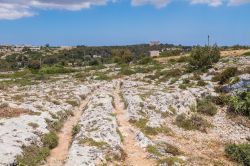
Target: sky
[[124, 22]]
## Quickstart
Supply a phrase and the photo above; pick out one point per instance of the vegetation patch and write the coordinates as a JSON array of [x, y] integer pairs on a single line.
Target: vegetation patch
[[168, 148], [202, 58], [239, 153], [201, 83], [73, 103], [205, 106], [92, 142], [32, 155], [9, 112], [194, 122], [246, 54], [225, 75], [50, 140], [153, 150], [170, 161], [120, 134], [240, 104], [76, 129], [147, 130], [221, 100], [33, 125]]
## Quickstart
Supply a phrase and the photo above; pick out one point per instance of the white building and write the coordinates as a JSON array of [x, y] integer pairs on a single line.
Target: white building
[[154, 53]]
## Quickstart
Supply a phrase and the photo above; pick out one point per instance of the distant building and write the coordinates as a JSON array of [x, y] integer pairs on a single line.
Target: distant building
[[155, 43], [154, 53], [66, 47], [97, 56]]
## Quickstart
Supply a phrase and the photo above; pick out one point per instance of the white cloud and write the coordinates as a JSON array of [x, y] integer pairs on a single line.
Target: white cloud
[[156, 3], [15, 9], [238, 2], [213, 3]]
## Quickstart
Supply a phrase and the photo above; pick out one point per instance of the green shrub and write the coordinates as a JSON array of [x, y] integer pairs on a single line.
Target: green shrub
[[33, 125], [205, 106], [92, 142], [203, 57], [32, 156], [220, 100], [76, 129], [168, 148], [126, 71], [194, 122], [147, 130], [225, 75], [56, 69], [145, 60], [246, 54], [170, 53], [201, 83], [102, 77], [73, 103], [34, 64], [50, 140], [239, 153], [153, 150], [240, 104]]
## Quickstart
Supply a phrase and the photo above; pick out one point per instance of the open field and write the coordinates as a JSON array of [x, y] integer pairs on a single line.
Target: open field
[[149, 114]]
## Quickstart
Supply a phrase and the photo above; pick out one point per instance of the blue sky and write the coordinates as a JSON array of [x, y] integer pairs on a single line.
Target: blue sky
[[102, 22]]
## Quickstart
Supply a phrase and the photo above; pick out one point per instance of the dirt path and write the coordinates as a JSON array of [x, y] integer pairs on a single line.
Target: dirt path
[[59, 154], [136, 156]]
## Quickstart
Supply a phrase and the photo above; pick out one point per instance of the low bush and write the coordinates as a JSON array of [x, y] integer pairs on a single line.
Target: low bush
[[220, 100], [146, 60], [240, 104], [194, 122], [202, 58], [170, 53], [225, 75], [153, 150], [126, 71], [147, 130], [246, 54], [171, 149], [239, 153], [56, 69], [201, 83], [32, 155], [76, 129], [205, 106], [92, 142], [50, 140]]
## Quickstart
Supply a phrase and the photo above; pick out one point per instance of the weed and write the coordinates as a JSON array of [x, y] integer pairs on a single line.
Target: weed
[[239, 153], [120, 134], [153, 150], [205, 106], [92, 142], [73, 103], [76, 129], [32, 155], [33, 125], [50, 140], [195, 122], [225, 75]]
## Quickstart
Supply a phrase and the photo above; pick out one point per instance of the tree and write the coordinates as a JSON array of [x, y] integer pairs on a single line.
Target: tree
[[34, 64], [204, 57], [122, 55]]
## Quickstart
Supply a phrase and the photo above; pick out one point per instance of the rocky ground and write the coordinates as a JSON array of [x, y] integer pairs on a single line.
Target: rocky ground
[[129, 120]]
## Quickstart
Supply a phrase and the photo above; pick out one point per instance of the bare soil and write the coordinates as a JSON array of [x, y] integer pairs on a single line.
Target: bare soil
[[136, 156], [59, 154]]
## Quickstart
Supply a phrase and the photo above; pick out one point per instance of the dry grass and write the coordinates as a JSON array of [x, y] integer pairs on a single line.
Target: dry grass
[[234, 52], [8, 112]]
